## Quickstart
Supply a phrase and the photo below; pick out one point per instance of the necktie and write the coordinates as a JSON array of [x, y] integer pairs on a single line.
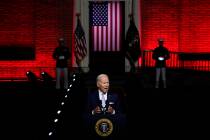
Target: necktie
[[103, 100]]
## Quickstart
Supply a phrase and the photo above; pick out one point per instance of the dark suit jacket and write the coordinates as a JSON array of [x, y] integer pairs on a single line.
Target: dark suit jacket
[[61, 51], [160, 51], [112, 99], [118, 119]]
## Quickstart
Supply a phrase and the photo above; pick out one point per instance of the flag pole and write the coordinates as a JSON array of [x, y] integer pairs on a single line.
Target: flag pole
[[77, 15], [131, 12], [132, 7]]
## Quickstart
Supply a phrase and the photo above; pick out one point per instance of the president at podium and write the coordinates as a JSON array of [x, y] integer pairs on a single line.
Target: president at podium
[[104, 112]]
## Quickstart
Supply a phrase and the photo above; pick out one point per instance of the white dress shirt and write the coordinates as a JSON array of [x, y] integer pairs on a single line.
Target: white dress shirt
[[100, 98], [102, 94]]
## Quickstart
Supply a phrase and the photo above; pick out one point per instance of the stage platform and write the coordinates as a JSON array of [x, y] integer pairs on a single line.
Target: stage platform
[[28, 109]]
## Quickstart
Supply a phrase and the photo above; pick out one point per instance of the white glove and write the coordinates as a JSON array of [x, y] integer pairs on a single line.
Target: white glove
[[161, 58], [61, 57]]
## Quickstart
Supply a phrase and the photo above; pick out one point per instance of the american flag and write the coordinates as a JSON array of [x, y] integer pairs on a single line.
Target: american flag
[[106, 27], [80, 43]]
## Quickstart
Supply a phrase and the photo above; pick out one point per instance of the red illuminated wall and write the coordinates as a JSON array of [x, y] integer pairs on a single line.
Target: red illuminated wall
[[36, 23], [195, 26], [184, 24]]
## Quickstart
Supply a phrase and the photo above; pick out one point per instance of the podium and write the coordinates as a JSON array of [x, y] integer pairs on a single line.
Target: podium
[[106, 126]]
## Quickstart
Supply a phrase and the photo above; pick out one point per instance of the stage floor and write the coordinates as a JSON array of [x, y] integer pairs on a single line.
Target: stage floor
[[28, 111]]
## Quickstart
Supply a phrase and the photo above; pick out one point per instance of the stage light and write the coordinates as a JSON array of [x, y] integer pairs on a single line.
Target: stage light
[[31, 76], [59, 111], [68, 89], [66, 96], [50, 133], [56, 120], [70, 85], [62, 103], [74, 79], [74, 75], [46, 77]]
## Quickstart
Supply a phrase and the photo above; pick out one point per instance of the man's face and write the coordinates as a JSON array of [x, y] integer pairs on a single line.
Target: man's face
[[161, 43], [103, 84], [61, 43]]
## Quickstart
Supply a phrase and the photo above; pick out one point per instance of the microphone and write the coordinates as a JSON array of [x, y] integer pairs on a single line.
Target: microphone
[[103, 109]]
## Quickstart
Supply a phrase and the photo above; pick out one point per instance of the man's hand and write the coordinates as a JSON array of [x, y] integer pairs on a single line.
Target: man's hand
[[110, 110], [97, 110]]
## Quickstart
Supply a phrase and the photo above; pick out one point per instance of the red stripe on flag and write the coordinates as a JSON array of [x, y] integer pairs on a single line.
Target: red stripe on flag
[[110, 27]]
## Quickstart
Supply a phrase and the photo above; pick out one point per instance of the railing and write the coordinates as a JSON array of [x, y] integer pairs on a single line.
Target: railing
[[178, 60], [194, 61]]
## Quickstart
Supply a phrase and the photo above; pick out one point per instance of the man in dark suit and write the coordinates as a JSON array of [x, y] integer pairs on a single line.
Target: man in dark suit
[[102, 101], [104, 104], [61, 54], [160, 55]]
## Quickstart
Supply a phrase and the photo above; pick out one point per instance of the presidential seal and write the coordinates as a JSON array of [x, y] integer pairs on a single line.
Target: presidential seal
[[104, 127]]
